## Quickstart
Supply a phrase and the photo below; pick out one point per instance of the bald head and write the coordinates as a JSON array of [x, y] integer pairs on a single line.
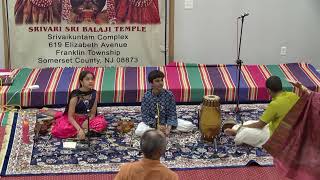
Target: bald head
[[153, 144]]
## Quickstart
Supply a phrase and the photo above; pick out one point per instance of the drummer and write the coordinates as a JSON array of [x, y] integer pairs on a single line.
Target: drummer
[[255, 133], [158, 108]]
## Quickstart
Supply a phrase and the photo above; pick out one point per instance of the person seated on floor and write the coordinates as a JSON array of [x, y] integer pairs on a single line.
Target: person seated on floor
[[158, 104], [299, 157], [82, 102], [256, 133], [153, 146]]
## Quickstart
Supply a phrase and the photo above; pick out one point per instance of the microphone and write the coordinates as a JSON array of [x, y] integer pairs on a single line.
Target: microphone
[[86, 103], [244, 15]]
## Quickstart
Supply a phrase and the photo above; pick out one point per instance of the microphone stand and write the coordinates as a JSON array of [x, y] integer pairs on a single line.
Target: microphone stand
[[86, 103], [239, 65]]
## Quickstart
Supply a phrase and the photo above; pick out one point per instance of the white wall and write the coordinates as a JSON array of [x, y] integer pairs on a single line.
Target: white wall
[[207, 33], [1, 38]]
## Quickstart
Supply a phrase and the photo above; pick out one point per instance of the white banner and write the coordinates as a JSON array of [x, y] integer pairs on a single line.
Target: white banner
[[65, 33]]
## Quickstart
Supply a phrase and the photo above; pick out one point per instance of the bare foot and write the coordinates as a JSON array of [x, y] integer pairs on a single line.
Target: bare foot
[[230, 132]]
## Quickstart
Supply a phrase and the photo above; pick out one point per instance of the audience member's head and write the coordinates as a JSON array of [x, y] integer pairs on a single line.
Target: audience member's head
[[274, 85], [153, 144]]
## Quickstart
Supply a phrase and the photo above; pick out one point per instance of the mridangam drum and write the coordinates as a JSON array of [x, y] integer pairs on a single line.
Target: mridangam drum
[[210, 117]]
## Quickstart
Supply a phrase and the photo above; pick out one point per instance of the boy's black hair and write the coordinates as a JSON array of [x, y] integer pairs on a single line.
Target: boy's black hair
[[154, 75]]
